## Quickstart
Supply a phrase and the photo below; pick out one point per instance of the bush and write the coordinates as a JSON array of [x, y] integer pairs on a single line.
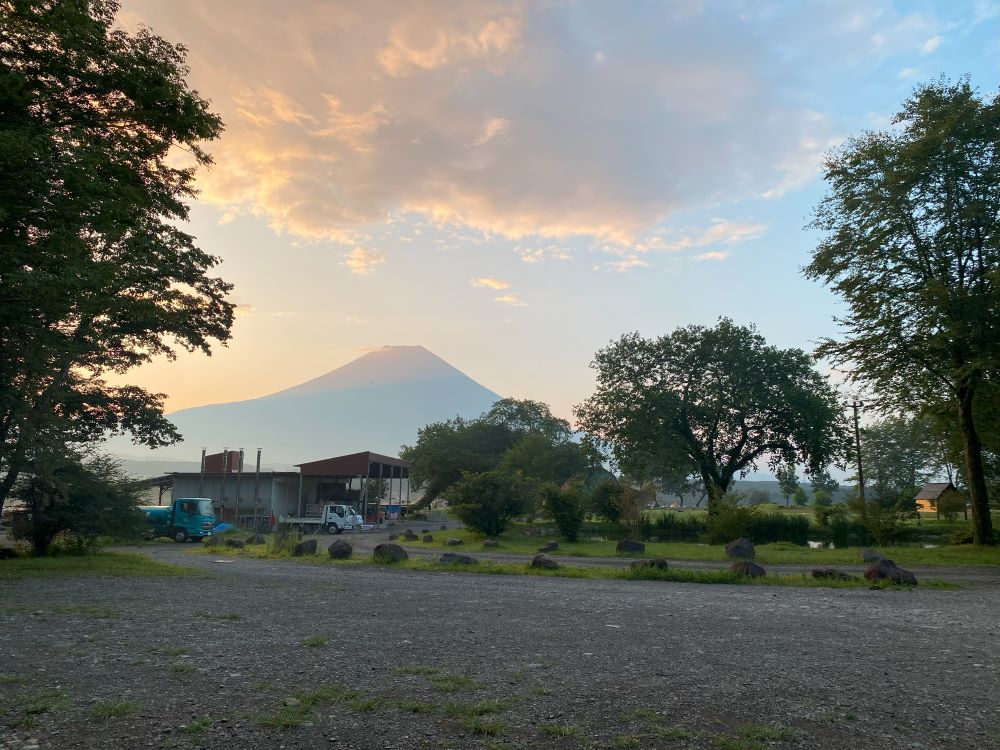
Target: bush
[[675, 527], [486, 502], [765, 528], [567, 508], [730, 521], [604, 501]]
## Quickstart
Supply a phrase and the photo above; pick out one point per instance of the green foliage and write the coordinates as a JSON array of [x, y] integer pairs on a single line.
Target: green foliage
[[912, 244], [734, 520], [604, 501], [821, 498], [950, 505], [487, 501], [521, 434], [800, 496], [730, 521], [715, 400], [96, 275], [567, 507], [883, 522], [788, 480], [79, 501], [675, 527], [821, 480]]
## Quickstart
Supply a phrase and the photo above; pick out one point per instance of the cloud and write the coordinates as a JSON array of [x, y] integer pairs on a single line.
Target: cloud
[[718, 232], [713, 255], [572, 121], [930, 45], [483, 281], [627, 263], [538, 254], [243, 310], [361, 261], [510, 299]]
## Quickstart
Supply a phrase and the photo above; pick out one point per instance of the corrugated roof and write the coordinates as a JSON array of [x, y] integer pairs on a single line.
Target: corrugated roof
[[933, 490], [364, 464]]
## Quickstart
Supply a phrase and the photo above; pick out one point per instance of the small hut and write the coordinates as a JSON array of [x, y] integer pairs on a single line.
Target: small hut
[[932, 494]]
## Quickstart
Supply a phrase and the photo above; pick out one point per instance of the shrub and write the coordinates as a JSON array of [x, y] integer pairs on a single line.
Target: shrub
[[765, 528], [604, 501], [730, 521], [567, 508], [487, 501], [675, 527]]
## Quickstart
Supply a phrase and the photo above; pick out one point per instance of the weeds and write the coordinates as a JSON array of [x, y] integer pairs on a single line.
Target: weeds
[[315, 641], [766, 733], [182, 668], [454, 683], [106, 710], [486, 727], [559, 730], [197, 726]]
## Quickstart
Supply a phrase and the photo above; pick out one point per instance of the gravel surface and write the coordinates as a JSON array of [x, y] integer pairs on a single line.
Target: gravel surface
[[205, 660]]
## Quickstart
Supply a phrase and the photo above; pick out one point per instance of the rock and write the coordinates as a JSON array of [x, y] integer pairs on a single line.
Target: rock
[[831, 574], [659, 564], [235, 543], [549, 547], [410, 536], [748, 569], [451, 542], [302, 549], [428, 538], [444, 527], [870, 555], [257, 539], [456, 559], [425, 531], [292, 702], [340, 550], [389, 553], [629, 547], [887, 569], [741, 549], [489, 543], [541, 561]]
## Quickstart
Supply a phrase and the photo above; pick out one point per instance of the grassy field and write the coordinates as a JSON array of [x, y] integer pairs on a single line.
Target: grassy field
[[516, 542], [99, 564]]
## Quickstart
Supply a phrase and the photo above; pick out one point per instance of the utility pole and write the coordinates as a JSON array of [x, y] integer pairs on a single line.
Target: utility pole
[[856, 405]]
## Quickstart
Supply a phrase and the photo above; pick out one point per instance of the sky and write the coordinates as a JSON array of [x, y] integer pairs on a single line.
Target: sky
[[513, 185]]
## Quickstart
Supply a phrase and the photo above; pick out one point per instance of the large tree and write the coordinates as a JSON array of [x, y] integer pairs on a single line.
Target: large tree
[[898, 455], [719, 396], [912, 244], [96, 275]]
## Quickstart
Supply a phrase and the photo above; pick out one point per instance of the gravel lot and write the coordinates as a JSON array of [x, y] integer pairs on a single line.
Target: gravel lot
[[202, 661]]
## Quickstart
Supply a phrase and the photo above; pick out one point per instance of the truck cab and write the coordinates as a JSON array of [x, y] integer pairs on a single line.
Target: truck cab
[[337, 518], [185, 518]]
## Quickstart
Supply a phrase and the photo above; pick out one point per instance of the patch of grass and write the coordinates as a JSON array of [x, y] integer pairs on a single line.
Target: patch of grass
[[182, 668], [12, 679], [39, 702], [454, 683], [415, 707], [672, 733], [417, 670], [766, 733], [364, 704], [481, 708], [559, 730], [315, 641], [116, 564], [105, 710], [173, 651], [486, 727], [625, 741], [541, 690], [196, 726], [232, 616], [292, 716]]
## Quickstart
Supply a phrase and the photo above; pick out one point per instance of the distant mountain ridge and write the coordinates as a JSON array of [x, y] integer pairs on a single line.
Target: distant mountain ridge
[[377, 402]]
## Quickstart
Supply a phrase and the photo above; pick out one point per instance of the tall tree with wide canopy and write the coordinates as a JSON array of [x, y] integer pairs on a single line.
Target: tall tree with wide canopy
[[719, 396], [912, 224], [96, 276]]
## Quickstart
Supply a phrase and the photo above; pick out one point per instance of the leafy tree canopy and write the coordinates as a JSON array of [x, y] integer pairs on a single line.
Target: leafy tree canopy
[[788, 480], [912, 243], [720, 396], [487, 501], [898, 455], [96, 275]]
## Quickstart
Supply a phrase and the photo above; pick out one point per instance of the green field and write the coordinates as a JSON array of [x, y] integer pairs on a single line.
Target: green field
[[99, 564]]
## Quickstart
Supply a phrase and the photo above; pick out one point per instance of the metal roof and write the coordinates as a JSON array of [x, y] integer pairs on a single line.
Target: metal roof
[[933, 490], [364, 464]]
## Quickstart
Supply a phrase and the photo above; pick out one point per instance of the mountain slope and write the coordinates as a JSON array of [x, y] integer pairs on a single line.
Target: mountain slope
[[377, 402]]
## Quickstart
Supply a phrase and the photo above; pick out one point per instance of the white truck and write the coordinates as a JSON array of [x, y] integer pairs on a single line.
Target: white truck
[[333, 519]]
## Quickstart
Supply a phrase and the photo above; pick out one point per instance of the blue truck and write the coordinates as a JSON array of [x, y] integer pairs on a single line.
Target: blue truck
[[186, 518]]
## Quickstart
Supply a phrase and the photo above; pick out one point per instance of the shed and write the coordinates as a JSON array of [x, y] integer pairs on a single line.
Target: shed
[[932, 493], [343, 479]]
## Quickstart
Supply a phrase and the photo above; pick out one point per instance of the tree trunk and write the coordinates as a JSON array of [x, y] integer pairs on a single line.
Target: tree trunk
[[982, 526]]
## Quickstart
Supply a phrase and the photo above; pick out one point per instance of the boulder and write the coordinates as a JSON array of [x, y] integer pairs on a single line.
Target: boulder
[[340, 550], [831, 574], [629, 547], [425, 531], [740, 549], [549, 547], [444, 527], [451, 542], [455, 558], [428, 538], [888, 570], [870, 555], [236, 543], [410, 536], [388, 553], [302, 549], [658, 564], [257, 539], [490, 543], [748, 569], [393, 537], [541, 561]]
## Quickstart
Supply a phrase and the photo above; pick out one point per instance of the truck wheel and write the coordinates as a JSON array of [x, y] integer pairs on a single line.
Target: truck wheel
[[180, 536], [332, 528]]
